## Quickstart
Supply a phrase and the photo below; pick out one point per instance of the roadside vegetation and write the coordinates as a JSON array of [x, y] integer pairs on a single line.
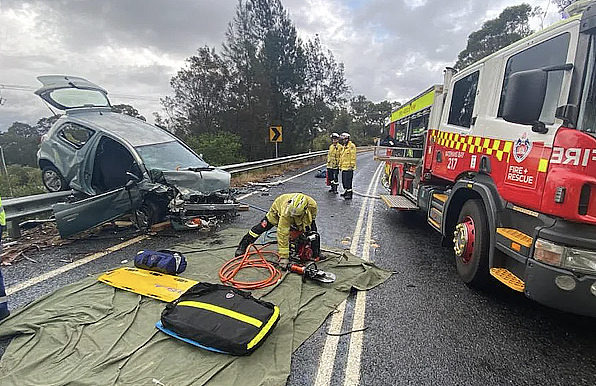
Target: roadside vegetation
[[21, 181]]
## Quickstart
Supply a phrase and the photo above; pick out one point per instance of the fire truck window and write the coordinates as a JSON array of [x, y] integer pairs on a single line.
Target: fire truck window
[[400, 131], [462, 101], [549, 53], [587, 115], [418, 125]]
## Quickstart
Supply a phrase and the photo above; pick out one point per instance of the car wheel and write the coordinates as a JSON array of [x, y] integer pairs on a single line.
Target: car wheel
[[146, 216], [52, 179], [471, 243]]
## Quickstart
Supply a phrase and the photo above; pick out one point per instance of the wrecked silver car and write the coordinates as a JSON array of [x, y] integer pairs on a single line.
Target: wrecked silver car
[[120, 164]]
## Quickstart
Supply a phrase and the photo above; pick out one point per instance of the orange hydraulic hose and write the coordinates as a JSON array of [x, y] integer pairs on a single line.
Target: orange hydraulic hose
[[254, 257]]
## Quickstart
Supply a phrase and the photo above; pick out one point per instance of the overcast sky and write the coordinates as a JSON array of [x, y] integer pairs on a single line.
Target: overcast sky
[[391, 49]]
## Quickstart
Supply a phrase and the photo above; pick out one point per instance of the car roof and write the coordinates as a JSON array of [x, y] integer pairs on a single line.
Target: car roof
[[135, 131]]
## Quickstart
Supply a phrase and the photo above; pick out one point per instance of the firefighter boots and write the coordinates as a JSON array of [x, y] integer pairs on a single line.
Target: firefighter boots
[[244, 243]]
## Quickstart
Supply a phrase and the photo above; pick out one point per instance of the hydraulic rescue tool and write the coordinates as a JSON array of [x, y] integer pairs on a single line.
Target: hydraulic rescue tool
[[310, 271], [305, 246]]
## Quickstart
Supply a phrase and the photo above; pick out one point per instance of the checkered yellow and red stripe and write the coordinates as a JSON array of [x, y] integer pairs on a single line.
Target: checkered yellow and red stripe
[[473, 145]]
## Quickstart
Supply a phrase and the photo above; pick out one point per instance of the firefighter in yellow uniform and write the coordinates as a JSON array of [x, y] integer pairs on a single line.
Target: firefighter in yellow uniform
[[290, 210], [3, 299], [333, 156], [347, 165]]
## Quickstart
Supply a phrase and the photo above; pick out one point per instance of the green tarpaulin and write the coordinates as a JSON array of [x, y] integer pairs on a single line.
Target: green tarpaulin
[[89, 333]]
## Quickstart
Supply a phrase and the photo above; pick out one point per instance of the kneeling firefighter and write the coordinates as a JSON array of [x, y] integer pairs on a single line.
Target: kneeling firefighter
[[288, 211]]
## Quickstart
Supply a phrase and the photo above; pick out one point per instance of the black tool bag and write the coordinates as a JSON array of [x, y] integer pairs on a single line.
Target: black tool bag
[[221, 318]]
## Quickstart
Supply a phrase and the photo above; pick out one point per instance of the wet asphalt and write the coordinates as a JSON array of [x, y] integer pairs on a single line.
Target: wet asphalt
[[424, 326]]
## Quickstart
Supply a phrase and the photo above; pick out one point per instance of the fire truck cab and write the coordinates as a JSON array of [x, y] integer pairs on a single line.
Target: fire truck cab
[[506, 170]]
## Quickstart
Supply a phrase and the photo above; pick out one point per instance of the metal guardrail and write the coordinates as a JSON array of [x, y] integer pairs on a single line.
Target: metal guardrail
[[247, 166], [19, 208]]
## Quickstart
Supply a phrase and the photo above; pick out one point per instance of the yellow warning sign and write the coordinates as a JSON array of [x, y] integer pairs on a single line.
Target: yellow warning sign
[[275, 134]]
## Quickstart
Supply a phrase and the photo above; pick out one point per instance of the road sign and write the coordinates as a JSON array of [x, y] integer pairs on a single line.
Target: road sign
[[275, 134]]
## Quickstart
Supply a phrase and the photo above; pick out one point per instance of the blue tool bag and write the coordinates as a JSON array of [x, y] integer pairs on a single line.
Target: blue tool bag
[[164, 261]]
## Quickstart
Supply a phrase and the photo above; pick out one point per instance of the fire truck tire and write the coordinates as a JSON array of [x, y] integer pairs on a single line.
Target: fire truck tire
[[472, 259]]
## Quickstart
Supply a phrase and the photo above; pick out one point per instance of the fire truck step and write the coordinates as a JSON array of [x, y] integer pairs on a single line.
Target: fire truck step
[[515, 240], [440, 196], [398, 202], [509, 279]]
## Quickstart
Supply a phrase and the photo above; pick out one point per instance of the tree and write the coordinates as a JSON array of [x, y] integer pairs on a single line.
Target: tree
[[44, 125], [369, 116], [264, 76], [128, 110], [511, 25], [218, 149], [201, 94], [19, 144]]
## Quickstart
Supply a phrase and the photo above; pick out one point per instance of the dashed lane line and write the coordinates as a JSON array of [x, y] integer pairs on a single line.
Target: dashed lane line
[[325, 370], [352, 375]]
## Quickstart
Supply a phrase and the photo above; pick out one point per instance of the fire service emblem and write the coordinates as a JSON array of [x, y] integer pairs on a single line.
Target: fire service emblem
[[521, 148]]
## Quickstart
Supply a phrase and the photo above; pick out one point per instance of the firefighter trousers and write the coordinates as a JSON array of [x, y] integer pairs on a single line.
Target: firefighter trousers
[[346, 179]]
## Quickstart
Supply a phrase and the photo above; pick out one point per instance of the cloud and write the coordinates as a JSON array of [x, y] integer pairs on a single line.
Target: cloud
[[391, 49]]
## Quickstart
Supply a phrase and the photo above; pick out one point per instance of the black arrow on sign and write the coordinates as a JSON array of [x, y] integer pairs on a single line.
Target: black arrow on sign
[[276, 134]]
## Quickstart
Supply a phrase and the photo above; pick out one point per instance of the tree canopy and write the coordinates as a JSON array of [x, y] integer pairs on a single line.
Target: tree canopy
[[265, 75], [511, 25]]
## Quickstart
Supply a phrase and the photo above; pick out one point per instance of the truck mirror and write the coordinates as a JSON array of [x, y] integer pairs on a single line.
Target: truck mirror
[[524, 96]]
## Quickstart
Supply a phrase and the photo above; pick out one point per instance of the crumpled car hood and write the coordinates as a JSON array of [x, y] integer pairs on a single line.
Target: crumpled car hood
[[204, 182]]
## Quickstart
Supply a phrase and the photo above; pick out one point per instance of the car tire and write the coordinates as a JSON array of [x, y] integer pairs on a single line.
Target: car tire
[[52, 179], [146, 216], [471, 256]]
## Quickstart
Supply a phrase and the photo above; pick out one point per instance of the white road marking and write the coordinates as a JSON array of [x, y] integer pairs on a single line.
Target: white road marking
[[74, 264], [325, 370], [352, 375], [282, 181]]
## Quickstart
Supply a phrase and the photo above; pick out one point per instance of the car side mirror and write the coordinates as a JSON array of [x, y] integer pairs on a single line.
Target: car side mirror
[[524, 97], [133, 179]]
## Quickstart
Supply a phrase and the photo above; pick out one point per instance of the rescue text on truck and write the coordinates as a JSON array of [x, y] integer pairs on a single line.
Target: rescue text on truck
[[506, 170]]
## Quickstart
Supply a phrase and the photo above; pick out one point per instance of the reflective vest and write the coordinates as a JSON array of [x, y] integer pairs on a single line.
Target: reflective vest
[[333, 156], [347, 160], [2, 214], [279, 216]]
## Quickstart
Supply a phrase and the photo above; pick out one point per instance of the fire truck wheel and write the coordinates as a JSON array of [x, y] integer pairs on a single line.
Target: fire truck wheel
[[471, 243]]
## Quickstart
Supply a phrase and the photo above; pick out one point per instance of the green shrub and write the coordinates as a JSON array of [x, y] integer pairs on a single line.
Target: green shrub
[[218, 149], [24, 181]]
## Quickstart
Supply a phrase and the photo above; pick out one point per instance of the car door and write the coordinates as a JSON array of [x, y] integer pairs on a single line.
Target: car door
[[79, 216], [116, 178]]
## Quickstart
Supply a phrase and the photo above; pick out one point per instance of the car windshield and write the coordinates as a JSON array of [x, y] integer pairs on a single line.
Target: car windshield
[[74, 97], [169, 156]]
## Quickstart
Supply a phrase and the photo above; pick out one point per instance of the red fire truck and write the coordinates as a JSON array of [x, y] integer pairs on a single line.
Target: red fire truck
[[502, 159]]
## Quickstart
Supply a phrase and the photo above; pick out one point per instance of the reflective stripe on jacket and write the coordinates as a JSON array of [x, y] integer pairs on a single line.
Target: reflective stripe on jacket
[[333, 156], [348, 157], [2, 214], [279, 216]]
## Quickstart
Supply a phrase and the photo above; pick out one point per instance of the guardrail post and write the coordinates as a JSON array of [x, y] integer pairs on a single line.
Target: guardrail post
[[14, 230]]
